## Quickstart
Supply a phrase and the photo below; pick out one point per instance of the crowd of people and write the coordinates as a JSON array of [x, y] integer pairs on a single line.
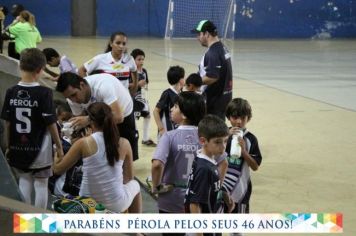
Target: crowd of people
[[192, 168]]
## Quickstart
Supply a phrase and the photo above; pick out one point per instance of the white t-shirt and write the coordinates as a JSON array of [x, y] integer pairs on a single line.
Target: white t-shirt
[[105, 88], [121, 69]]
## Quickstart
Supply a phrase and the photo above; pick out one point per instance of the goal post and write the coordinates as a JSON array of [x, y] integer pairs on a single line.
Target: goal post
[[184, 15]]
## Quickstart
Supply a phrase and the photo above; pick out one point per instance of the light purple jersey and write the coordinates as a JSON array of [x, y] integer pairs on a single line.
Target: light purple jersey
[[65, 65], [176, 150]]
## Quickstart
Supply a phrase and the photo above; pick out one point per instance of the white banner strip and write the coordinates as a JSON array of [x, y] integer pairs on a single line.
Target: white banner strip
[[179, 223]]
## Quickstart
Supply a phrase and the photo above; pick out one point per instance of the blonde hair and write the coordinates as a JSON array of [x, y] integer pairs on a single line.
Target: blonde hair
[[28, 17]]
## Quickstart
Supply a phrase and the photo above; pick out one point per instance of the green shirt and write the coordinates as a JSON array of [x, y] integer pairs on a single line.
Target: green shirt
[[26, 36]]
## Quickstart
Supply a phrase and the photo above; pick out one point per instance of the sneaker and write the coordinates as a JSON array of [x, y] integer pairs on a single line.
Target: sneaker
[[149, 143]]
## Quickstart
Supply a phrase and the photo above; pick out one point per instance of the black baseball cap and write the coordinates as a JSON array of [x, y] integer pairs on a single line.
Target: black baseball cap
[[205, 26]]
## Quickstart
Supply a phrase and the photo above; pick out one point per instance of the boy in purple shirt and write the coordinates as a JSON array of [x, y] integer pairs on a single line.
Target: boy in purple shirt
[[55, 60]]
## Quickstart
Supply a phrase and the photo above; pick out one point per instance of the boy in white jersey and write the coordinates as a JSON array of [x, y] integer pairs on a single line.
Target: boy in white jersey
[[31, 126], [141, 106]]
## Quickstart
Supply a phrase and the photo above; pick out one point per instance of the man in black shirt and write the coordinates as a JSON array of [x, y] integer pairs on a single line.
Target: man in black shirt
[[215, 69]]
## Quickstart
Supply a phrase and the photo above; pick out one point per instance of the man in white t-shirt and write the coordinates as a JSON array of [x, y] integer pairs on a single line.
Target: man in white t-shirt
[[80, 93]]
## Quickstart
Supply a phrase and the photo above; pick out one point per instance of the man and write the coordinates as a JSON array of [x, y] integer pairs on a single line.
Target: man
[[215, 69], [80, 93]]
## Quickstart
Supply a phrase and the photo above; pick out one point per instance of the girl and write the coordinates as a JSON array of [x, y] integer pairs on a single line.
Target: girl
[[107, 163]]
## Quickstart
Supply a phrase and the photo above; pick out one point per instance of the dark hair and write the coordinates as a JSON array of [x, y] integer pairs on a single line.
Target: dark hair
[[211, 126], [112, 37], [49, 53], [174, 74], [194, 79], [61, 107], [100, 113], [32, 59], [69, 79], [192, 105], [137, 52], [16, 9], [238, 107]]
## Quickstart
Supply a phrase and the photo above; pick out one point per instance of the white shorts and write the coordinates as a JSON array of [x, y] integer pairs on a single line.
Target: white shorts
[[131, 189]]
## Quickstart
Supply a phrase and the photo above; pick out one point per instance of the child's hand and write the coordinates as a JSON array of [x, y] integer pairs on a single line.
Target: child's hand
[[234, 130], [230, 206], [161, 131], [242, 144]]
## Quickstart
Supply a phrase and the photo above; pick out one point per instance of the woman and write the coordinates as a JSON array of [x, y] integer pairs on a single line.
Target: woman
[[107, 163], [115, 61], [25, 32]]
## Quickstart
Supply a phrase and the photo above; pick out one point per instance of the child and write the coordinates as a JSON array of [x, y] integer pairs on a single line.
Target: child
[[204, 180], [161, 113], [142, 109], [31, 122], [237, 187], [193, 83], [55, 60], [174, 155]]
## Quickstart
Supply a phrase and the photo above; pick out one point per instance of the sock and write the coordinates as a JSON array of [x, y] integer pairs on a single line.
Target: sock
[[146, 126], [41, 192]]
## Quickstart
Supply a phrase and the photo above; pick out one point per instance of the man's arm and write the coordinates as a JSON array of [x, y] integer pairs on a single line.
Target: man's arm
[[117, 112]]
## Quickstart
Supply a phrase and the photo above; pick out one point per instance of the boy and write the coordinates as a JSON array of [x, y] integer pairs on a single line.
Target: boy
[[31, 122], [161, 113], [172, 160], [55, 60], [193, 83], [237, 186], [204, 180], [141, 107]]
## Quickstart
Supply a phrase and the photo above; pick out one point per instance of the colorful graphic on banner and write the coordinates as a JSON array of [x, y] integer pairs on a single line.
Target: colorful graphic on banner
[[35, 223]]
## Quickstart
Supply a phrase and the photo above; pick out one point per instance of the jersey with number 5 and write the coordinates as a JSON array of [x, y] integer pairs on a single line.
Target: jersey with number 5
[[29, 109]]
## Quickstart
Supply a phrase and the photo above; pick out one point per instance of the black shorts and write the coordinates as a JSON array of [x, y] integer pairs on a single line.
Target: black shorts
[[128, 130]]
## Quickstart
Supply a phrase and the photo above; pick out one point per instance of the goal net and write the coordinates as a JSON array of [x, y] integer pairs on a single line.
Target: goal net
[[184, 15]]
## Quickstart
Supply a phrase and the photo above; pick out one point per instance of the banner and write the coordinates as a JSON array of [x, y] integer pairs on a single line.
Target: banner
[[179, 223]]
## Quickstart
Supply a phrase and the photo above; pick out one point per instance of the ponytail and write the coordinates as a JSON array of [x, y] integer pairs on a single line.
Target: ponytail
[[111, 140], [101, 114]]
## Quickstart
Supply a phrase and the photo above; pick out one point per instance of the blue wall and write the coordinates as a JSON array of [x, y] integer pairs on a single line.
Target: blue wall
[[295, 18], [53, 17], [254, 18]]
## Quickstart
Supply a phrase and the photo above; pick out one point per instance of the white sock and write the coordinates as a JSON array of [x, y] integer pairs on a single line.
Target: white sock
[[146, 126], [41, 192], [25, 186]]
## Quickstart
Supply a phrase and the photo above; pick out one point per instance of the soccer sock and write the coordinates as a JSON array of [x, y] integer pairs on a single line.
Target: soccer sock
[[146, 126], [41, 192], [25, 186]]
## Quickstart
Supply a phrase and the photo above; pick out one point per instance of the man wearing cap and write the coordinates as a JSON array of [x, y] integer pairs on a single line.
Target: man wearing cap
[[215, 69]]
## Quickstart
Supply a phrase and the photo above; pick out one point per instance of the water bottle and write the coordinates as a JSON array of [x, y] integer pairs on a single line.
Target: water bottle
[[100, 209], [235, 150]]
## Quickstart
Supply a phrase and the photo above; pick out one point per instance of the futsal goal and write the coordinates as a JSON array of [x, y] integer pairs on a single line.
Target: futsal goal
[[184, 15]]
